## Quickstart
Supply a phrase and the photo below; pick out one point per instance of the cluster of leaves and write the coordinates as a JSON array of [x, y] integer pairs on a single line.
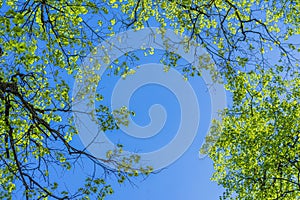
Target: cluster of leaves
[[256, 147], [42, 43], [235, 33]]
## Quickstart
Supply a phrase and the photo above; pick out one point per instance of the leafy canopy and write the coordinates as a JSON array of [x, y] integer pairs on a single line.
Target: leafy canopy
[[257, 152], [42, 45], [44, 41]]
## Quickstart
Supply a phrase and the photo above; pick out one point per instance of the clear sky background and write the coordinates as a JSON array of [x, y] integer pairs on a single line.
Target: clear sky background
[[189, 176]]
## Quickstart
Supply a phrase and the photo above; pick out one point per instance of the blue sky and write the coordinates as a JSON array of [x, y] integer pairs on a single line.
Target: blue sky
[[189, 176], [186, 178]]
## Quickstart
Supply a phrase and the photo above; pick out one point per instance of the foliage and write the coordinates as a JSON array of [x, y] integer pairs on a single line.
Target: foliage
[[237, 34], [44, 41], [256, 155]]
